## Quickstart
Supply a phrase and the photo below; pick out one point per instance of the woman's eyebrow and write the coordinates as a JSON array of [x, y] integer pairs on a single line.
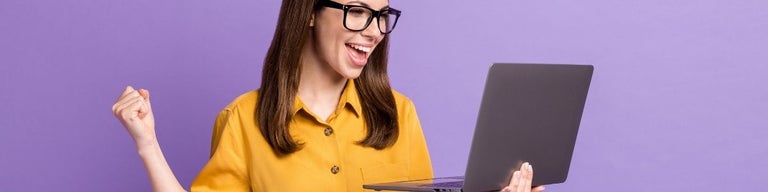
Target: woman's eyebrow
[[359, 2], [365, 4]]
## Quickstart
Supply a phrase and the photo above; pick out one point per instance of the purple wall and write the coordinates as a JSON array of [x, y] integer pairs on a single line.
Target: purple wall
[[678, 100]]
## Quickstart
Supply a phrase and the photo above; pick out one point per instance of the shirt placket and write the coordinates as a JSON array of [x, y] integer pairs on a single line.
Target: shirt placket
[[336, 166]]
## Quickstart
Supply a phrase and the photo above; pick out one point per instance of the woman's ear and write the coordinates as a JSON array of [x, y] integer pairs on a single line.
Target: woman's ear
[[312, 20]]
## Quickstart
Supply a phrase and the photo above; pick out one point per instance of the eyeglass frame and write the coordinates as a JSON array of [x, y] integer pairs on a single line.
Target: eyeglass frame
[[374, 13]]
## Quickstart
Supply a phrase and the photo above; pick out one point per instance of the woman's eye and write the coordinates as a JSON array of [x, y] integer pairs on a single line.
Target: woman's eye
[[357, 12]]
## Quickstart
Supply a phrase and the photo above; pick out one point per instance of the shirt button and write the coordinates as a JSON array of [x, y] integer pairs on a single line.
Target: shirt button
[[328, 131], [335, 169]]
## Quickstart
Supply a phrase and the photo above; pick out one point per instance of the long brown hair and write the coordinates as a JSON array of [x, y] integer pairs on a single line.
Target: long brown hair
[[280, 82]]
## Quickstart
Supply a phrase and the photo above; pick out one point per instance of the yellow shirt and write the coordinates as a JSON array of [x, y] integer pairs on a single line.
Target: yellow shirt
[[242, 160]]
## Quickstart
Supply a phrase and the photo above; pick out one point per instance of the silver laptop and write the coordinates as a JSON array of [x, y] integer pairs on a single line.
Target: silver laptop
[[529, 113]]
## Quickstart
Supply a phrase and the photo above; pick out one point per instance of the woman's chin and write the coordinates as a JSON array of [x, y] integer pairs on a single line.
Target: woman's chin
[[352, 76], [351, 73], [349, 70]]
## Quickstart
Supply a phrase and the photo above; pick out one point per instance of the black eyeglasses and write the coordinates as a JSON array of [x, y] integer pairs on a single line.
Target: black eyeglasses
[[358, 18]]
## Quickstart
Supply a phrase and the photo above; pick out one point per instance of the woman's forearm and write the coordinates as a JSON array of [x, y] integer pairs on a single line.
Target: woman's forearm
[[160, 174], [134, 110]]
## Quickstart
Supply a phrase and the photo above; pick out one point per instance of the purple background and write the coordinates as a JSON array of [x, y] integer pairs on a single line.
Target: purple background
[[678, 100]]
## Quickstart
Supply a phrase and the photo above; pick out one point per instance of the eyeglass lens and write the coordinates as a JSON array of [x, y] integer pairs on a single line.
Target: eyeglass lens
[[358, 18]]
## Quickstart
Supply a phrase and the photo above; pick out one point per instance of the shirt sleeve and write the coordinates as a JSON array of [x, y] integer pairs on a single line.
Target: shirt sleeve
[[226, 170], [420, 165]]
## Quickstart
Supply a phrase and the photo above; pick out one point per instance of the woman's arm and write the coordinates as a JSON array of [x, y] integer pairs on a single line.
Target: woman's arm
[[160, 174], [134, 111]]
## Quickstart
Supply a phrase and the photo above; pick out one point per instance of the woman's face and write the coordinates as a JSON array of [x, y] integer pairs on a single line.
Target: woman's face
[[345, 51]]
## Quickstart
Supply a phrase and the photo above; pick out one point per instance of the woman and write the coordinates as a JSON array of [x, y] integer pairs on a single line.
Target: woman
[[324, 119]]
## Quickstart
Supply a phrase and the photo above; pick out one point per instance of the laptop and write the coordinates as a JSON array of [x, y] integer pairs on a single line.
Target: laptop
[[529, 113]]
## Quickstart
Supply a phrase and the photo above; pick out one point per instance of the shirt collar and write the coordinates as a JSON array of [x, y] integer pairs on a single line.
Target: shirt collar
[[349, 97]]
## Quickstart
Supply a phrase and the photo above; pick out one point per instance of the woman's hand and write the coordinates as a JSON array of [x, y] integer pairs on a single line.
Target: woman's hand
[[134, 111], [522, 179]]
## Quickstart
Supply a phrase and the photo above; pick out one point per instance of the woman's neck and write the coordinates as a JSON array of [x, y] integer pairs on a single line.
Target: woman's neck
[[317, 84], [320, 86]]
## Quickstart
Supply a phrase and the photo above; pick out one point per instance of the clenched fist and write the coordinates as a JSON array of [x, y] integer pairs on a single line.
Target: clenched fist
[[134, 111]]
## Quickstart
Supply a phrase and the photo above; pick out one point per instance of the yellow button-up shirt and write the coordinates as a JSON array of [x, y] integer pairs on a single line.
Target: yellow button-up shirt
[[330, 160]]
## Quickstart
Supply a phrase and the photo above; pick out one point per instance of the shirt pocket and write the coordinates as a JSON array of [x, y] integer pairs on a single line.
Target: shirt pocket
[[384, 173]]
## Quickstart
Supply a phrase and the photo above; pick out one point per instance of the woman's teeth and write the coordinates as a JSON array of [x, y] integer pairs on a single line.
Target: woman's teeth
[[361, 48]]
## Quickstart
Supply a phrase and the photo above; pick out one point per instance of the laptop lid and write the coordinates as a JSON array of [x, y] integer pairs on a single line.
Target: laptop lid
[[529, 113]]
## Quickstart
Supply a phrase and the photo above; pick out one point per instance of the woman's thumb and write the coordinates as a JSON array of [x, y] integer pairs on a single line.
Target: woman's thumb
[[145, 109], [145, 94]]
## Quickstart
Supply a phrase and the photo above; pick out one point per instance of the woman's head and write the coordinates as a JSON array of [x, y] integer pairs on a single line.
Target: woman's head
[[345, 33], [329, 33]]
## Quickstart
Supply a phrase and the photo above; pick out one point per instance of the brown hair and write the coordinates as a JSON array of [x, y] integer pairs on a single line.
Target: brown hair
[[280, 82]]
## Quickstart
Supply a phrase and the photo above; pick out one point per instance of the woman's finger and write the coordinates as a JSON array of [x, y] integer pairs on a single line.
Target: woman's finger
[[119, 107], [539, 188], [126, 99], [130, 109], [513, 183], [144, 109], [130, 112], [145, 94], [520, 184], [527, 177], [128, 89]]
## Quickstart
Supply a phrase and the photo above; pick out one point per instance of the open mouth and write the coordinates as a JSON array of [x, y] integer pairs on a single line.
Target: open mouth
[[360, 48], [358, 53]]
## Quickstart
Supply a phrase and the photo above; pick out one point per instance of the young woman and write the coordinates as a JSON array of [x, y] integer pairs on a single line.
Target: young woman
[[324, 119]]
